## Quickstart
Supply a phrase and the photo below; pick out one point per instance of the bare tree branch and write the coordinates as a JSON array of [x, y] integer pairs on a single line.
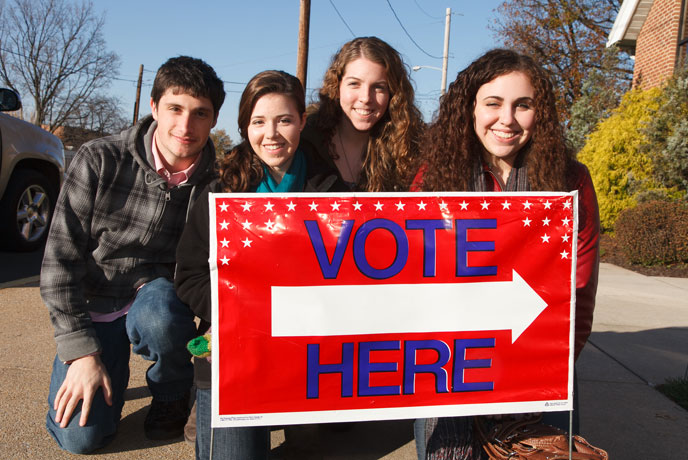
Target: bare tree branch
[[567, 38], [54, 52]]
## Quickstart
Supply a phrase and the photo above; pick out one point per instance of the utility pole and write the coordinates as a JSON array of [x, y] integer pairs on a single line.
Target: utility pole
[[138, 96], [302, 56], [445, 56]]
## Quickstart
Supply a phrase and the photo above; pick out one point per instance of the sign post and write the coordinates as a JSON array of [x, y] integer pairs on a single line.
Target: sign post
[[330, 308]]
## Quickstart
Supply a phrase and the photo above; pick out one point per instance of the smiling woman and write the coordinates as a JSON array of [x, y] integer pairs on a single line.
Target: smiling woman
[[498, 130], [269, 159], [366, 123], [504, 116], [274, 132]]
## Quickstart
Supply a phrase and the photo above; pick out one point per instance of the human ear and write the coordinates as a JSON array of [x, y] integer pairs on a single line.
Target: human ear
[[154, 109]]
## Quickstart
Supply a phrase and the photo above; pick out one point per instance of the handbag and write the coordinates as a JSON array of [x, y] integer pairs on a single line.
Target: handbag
[[528, 439]]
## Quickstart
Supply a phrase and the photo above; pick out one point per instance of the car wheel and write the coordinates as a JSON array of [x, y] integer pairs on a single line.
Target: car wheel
[[26, 210]]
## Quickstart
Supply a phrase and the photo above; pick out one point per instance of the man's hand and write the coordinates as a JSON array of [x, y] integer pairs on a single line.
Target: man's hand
[[84, 376]]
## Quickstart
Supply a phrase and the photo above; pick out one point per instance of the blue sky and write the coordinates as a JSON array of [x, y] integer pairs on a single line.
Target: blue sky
[[240, 38]]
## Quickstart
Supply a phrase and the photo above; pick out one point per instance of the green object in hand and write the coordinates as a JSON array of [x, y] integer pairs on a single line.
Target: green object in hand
[[200, 346]]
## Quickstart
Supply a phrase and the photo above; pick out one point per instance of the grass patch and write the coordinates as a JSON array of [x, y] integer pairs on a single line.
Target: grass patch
[[677, 390]]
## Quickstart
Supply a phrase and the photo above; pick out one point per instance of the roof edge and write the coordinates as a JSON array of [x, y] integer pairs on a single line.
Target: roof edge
[[623, 20]]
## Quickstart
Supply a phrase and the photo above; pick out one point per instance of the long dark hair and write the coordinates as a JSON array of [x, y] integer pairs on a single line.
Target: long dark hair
[[393, 145], [241, 169], [451, 149]]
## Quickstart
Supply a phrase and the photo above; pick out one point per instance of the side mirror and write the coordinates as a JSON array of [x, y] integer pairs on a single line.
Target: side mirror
[[9, 100]]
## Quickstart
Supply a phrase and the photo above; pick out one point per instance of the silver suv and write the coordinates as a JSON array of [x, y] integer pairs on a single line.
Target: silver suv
[[31, 173]]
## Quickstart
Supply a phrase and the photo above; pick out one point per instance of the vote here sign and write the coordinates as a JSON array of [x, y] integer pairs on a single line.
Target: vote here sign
[[387, 306]]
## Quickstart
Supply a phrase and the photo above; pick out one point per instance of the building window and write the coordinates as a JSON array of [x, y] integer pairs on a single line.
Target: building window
[[683, 36]]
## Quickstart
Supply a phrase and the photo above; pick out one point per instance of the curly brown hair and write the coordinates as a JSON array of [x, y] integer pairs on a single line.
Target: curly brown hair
[[241, 169], [451, 150], [392, 153]]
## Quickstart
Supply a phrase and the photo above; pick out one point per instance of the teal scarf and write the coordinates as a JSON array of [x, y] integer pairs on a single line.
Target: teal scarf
[[294, 179]]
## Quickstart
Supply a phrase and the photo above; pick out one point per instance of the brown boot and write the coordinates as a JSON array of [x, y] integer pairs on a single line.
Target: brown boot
[[190, 427]]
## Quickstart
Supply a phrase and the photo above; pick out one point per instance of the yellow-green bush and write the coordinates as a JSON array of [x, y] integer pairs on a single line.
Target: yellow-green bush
[[620, 171]]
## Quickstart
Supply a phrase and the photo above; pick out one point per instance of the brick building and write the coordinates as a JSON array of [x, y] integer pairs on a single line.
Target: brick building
[[655, 32]]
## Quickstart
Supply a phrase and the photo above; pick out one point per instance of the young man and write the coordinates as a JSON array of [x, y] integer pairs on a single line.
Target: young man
[[109, 262]]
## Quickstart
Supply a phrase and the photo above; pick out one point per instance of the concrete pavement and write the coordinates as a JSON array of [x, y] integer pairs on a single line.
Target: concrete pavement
[[640, 337]]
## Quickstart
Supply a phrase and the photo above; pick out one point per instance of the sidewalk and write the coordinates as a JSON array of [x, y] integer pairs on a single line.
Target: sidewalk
[[640, 337]]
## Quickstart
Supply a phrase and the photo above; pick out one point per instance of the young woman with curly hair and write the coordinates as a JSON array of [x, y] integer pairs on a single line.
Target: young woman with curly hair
[[498, 130], [269, 159], [366, 123]]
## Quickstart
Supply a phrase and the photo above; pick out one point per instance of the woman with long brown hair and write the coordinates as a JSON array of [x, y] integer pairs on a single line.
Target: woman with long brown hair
[[269, 159], [366, 124], [498, 130]]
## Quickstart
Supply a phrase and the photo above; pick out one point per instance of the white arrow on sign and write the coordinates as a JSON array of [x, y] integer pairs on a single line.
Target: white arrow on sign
[[393, 308]]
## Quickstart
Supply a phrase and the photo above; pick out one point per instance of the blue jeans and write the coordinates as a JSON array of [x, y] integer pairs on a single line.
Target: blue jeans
[[556, 419], [158, 327], [243, 443]]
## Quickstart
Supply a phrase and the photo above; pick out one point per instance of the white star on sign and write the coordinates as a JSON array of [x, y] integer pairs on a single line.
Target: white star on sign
[[246, 225], [564, 255], [223, 207], [269, 206], [400, 206], [565, 220], [545, 222], [335, 206], [291, 206], [567, 205], [225, 260], [224, 224], [547, 204], [247, 242], [313, 206], [443, 206], [526, 222], [565, 238], [545, 238], [225, 243], [421, 205], [378, 206], [485, 204], [527, 205], [270, 224], [357, 206], [506, 205], [463, 205], [246, 206]]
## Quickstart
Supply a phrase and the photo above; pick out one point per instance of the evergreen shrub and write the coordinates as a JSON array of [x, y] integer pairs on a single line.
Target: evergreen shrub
[[621, 172], [655, 232]]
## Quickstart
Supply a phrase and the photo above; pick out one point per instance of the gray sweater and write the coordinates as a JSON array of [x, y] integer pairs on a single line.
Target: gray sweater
[[116, 227]]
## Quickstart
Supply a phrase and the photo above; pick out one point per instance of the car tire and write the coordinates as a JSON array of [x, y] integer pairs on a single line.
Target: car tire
[[26, 210]]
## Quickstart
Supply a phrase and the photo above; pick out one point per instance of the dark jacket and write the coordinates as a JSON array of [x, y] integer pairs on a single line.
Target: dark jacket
[[192, 279], [116, 227]]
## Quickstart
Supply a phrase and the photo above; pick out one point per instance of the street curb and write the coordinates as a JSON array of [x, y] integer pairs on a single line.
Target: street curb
[[20, 282]]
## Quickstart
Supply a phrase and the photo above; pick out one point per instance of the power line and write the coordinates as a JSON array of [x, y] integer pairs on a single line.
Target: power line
[[340, 17], [409, 35], [426, 13]]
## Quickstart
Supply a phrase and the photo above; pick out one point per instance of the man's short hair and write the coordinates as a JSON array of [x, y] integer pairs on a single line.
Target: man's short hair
[[191, 76]]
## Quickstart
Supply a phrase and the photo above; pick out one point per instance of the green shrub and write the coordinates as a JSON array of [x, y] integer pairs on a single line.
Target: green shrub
[[620, 171], [667, 134], [599, 96], [654, 233]]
